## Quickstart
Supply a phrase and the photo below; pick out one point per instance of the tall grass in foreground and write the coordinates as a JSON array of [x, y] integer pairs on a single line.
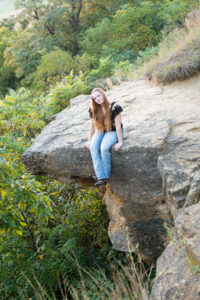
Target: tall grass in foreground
[[128, 282], [177, 57]]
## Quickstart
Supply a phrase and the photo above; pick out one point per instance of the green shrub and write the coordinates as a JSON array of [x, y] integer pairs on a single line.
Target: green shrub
[[94, 38], [122, 70], [43, 225], [23, 53], [7, 79], [85, 63], [174, 12], [20, 115], [133, 28], [53, 67], [7, 73], [116, 56], [105, 69], [71, 86]]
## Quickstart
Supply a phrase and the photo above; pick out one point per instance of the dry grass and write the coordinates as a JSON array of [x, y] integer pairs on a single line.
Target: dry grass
[[131, 282], [178, 57], [128, 282]]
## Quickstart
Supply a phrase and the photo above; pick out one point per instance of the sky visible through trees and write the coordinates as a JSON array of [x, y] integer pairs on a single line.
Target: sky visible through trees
[[6, 6]]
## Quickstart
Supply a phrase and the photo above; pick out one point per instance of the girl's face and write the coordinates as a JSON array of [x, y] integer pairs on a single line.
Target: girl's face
[[98, 98]]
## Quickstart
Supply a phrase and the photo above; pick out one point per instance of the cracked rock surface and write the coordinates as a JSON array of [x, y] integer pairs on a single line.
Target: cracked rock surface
[[155, 173], [178, 268]]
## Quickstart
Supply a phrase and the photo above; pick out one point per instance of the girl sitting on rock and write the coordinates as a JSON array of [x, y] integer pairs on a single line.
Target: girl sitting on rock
[[106, 130]]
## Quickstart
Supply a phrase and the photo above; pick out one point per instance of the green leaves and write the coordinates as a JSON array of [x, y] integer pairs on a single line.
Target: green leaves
[[43, 223], [21, 195], [53, 67], [20, 115], [70, 87]]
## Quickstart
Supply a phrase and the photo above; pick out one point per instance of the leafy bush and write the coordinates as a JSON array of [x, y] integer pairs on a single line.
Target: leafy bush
[[7, 73], [53, 67], [105, 69], [175, 11], [122, 70], [20, 115], [71, 86], [117, 56], [94, 38], [85, 63], [133, 27], [43, 224], [144, 56], [23, 53], [7, 79]]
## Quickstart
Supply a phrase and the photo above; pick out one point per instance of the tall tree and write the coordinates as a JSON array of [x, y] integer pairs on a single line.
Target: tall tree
[[58, 18]]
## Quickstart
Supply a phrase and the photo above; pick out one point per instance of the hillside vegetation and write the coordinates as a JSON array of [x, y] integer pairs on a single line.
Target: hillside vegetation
[[50, 53], [178, 57]]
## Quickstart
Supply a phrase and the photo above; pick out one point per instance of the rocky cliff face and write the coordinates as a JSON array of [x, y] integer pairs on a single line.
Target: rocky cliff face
[[178, 268], [156, 172]]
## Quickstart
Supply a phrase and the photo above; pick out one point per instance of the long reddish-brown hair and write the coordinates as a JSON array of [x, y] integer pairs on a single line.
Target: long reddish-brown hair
[[102, 119]]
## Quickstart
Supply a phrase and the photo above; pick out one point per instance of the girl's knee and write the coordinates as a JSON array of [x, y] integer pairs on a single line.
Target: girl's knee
[[105, 150], [93, 148]]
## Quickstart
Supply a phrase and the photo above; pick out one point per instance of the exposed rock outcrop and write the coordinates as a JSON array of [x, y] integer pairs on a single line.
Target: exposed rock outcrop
[[155, 172], [178, 268]]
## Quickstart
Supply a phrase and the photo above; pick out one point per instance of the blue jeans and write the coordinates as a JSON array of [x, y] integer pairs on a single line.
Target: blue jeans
[[100, 152]]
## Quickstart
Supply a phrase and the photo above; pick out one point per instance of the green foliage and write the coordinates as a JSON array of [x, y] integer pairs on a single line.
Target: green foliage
[[122, 69], [105, 69], [146, 55], [126, 29], [71, 86], [21, 117], [94, 10], [21, 195], [175, 11], [119, 56], [53, 67], [133, 27], [94, 38], [169, 231], [43, 223], [5, 34], [23, 53], [7, 73], [85, 63], [56, 21], [7, 79], [51, 222], [50, 231]]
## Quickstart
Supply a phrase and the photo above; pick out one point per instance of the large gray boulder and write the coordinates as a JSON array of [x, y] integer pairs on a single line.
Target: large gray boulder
[[153, 175], [178, 268]]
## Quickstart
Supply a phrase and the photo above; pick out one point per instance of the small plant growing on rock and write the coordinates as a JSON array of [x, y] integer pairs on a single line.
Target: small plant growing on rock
[[193, 260], [169, 233]]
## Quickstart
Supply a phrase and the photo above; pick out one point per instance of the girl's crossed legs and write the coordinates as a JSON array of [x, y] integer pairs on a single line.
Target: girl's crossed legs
[[100, 152]]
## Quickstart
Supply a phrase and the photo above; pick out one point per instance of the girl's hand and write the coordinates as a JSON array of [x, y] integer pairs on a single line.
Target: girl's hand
[[117, 146], [88, 145]]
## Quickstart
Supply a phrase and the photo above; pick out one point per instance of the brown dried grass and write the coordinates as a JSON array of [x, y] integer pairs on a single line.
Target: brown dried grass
[[178, 57]]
